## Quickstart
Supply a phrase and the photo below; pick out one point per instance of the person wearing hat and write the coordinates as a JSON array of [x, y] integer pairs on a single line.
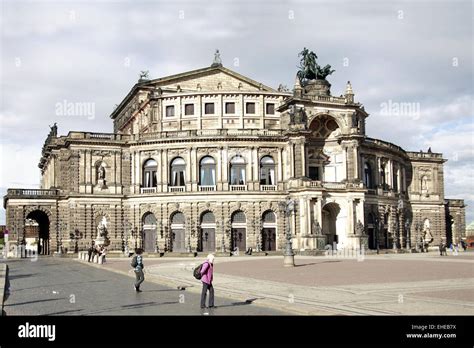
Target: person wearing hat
[[207, 271]]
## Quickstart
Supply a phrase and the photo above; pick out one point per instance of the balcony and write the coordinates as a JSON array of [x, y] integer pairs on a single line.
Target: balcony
[[268, 187], [32, 192], [177, 188], [148, 190], [207, 188], [238, 187]]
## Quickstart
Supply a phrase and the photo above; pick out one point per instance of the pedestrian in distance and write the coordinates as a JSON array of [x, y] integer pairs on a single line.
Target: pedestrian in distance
[[207, 271], [90, 251], [137, 264]]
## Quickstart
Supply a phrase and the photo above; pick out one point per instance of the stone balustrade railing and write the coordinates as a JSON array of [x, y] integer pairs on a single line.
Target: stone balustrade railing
[[32, 192]]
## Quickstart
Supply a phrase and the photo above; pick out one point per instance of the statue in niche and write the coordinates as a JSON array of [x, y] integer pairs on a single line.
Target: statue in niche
[[359, 229], [316, 228], [101, 172], [102, 229]]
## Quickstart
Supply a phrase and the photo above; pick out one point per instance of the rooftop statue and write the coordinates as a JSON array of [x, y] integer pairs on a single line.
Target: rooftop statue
[[217, 59], [310, 69], [144, 75]]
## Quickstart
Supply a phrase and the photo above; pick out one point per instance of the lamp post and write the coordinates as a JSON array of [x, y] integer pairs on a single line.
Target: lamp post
[[287, 208], [407, 228]]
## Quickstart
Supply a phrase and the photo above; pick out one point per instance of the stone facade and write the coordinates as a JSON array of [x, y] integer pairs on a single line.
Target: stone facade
[[201, 161]]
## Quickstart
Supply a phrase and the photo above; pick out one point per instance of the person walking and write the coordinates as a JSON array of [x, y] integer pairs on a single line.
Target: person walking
[[137, 264], [207, 271]]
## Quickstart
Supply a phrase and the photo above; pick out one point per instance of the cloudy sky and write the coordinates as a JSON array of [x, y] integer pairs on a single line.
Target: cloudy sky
[[393, 52]]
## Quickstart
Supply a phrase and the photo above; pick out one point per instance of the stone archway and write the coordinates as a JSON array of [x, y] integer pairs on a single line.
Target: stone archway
[[149, 232], [178, 232], [330, 213], [207, 236], [37, 232]]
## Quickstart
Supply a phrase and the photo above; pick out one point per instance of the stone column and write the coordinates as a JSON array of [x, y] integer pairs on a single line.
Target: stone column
[[292, 160], [194, 169], [189, 168], [219, 170], [225, 168], [199, 113], [159, 176], [165, 170], [303, 158], [279, 164]]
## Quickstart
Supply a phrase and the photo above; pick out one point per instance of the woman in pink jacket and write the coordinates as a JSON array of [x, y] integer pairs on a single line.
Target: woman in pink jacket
[[207, 270]]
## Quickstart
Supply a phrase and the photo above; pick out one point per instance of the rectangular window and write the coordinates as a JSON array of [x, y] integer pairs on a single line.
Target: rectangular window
[[270, 109], [209, 108], [170, 111], [250, 108], [189, 109], [230, 108], [314, 173]]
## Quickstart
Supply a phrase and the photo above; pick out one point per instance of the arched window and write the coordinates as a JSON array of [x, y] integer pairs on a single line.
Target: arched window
[[178, 170], [208, 218], [237, 171], [368, 175], [269, 217], [239, 217], [207, 171], [149, 173], [178, 218], [267, 171]]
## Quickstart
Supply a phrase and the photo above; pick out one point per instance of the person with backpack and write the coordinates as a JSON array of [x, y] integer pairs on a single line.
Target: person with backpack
[[137, 264], [207, 270]]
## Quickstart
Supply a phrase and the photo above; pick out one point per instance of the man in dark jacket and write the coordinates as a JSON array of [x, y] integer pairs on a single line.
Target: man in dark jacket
[[90, 251], [137, 264]]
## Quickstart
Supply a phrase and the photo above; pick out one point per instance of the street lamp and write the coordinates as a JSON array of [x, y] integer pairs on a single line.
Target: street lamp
[[287, 208], [407, 228], [394, 240]]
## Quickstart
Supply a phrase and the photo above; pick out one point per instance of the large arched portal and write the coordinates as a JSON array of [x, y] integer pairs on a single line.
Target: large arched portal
[[239, 231], [330, 213], [207, 240], [37, 231], [325, 156], [269, 231], [149, 232], [177, 232]]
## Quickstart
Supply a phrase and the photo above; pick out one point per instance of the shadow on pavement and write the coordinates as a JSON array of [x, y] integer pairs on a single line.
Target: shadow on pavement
[[37, 301], [246, 302], [317, 263], [64, 312]]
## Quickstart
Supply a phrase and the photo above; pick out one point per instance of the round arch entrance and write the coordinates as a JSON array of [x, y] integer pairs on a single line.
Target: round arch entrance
[[330, 213], [269, 231], [177, 232], [149, 232], [207, 240], [37, 231], [239, 231]]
